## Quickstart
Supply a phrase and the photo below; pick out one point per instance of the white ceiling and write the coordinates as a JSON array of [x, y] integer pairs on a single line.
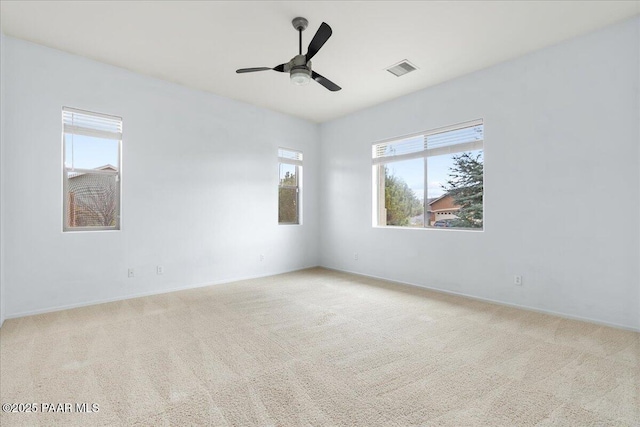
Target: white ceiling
[[200, 44]]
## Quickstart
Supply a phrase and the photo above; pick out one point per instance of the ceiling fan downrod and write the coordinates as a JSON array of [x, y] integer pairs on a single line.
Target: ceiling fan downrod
[[300, 24]]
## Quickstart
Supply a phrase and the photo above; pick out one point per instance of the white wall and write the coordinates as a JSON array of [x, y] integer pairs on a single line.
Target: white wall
[[2, 180], [638, 129], [562, 198], [199, 189]]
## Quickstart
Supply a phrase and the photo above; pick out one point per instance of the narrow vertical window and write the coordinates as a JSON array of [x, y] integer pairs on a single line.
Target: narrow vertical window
[[91, 170], [289, 186], [432, 179]]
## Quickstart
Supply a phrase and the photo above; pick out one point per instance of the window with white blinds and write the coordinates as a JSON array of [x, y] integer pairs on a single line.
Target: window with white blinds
[[289, 186], [465, 137], [430, 179], [290, 156], [91, 144]]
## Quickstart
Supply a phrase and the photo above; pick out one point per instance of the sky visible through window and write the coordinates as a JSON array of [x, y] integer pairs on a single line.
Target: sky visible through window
[[438, 169], [290, 179], [86, 152]]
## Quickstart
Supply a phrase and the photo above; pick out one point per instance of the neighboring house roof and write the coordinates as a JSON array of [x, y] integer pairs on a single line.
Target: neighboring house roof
[[432, 201], [437, 199], [100, 168], [457, 208]]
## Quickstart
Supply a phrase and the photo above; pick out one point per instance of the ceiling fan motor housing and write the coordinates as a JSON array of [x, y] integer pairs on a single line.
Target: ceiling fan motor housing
[[300, 71], [300, 76], [300, 61]]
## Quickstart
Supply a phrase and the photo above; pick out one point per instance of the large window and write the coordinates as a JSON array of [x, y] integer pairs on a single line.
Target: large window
[[289, 186], [91, 170], [433, 179]]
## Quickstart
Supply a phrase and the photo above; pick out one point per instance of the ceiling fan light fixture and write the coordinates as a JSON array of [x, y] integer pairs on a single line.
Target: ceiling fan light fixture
[[300, 76]]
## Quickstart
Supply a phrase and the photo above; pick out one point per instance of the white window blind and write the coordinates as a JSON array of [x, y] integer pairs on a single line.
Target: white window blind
[[291, 157], [98, 125], [467, 136]]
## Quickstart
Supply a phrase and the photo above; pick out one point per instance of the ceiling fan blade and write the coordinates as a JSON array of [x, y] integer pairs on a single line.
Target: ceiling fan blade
[[321, 37], [325, 82], [251, 70]]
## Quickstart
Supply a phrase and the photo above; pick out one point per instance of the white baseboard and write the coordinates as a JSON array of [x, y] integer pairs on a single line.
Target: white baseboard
[[493, 301], [145, 294]]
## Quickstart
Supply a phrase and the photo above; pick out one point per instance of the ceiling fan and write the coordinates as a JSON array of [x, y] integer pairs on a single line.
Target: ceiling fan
[[299, 67]]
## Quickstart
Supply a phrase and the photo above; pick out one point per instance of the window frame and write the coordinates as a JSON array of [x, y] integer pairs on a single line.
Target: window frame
[[297, 162], [379, 217], [65, 171]]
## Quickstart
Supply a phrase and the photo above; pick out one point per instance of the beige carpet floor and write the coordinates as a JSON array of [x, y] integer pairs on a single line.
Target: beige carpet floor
[[319, 348]]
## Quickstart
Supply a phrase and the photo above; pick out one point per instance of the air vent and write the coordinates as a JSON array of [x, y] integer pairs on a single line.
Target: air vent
[[402, 68]]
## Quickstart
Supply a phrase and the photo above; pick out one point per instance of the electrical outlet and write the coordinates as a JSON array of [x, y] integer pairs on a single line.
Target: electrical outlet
[[355, 256], [130, 273], [517, 280], [261, 257], [159, 270]]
